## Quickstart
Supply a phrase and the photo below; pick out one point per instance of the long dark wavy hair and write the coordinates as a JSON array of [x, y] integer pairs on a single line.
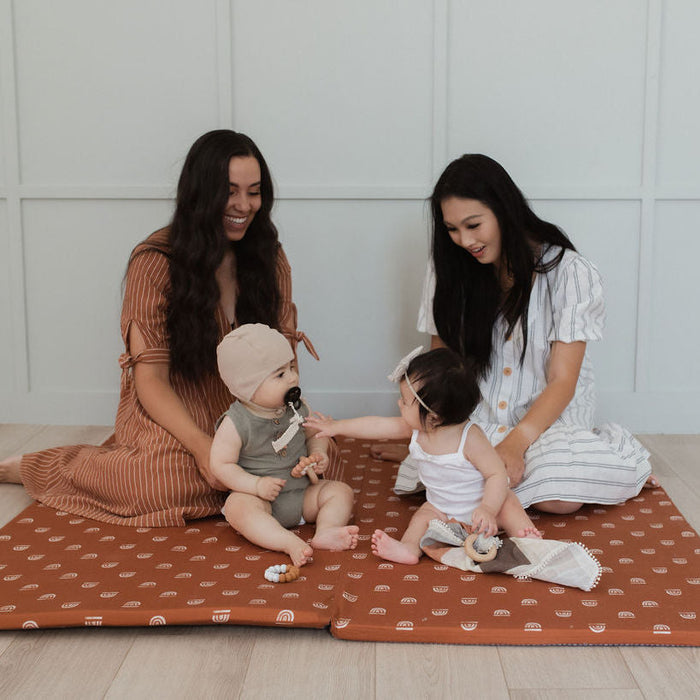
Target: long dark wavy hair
[[197, 247], [468, 295]]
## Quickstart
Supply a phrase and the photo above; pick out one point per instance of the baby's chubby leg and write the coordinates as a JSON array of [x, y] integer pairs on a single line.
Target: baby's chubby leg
[[329, 505], [407, 550], [514, 520], [252, 517]]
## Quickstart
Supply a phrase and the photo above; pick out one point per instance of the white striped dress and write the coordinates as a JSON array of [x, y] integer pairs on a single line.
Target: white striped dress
[[573, 460], [143, 476]]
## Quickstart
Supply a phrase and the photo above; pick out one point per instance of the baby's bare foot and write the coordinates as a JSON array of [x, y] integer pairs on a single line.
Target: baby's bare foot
[[336, 539], [299, 552], [389, 453], [9, 470], [386, 547], [531, 532]]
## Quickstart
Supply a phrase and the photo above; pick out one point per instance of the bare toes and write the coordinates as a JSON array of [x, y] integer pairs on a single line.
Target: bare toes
[[651, 483]]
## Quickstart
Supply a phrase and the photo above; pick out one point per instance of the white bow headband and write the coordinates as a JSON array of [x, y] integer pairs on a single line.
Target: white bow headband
[[400, 373]]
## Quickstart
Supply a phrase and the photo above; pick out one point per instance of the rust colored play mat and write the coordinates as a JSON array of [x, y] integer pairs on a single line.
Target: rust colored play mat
[[59, 570]]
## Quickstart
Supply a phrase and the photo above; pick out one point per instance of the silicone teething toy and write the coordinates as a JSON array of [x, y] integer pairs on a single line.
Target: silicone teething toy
[[281, 573]]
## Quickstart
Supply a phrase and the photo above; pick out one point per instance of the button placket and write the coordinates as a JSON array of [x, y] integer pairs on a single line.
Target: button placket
[[506, 386]]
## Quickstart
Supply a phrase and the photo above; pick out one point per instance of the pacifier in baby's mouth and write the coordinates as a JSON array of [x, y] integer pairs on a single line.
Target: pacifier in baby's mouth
[[293, 396]]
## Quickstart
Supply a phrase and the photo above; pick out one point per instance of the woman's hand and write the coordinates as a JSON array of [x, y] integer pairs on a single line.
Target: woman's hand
[[512, 451], [484, 521], [562, 375], [164, 406]]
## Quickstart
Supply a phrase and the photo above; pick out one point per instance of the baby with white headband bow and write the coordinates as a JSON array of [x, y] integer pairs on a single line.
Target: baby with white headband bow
[[260, 443], [464, 477]]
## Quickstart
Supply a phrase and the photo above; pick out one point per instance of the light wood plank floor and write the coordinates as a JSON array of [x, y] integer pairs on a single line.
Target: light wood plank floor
[[249, 662]]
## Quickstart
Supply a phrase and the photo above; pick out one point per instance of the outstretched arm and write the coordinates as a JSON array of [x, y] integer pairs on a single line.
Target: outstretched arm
[[365, 427], [564, 367]]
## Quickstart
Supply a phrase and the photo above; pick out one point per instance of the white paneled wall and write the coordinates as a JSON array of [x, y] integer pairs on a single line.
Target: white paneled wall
[[553, 90], [339, 92], [6, 344], [678, 173], [72, 297], [106, 91], [592, 106]]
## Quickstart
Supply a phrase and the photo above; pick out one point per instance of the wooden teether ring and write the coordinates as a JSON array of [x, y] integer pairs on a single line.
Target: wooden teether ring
[[478, 556]]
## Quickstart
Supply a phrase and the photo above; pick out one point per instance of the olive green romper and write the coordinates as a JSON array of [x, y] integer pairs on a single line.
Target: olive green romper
[[259, 458]]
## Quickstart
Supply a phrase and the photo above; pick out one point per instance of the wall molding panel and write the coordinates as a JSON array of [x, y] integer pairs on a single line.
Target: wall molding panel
[[649, 167], [357, 108], [13, 271]]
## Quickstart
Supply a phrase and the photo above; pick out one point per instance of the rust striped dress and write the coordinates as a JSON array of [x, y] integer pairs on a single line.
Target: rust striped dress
[[142, 475]]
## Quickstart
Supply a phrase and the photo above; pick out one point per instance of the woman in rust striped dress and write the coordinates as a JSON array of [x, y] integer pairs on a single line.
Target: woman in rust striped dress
[[218, 264]]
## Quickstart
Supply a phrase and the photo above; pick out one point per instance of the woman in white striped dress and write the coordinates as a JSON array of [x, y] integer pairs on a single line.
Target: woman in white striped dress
[[509, 291]]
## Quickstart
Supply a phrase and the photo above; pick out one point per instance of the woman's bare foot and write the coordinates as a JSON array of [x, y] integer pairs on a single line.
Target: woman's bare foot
[[531, 532], [299, 552], [386, 547], [336, 539], [9, 470], [389, 453], [652, 482]]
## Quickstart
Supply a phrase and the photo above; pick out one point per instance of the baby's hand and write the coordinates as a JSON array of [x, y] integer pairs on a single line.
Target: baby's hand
[[320, 461], [269, 487], [307, 466], [484, 521], [325, 425]]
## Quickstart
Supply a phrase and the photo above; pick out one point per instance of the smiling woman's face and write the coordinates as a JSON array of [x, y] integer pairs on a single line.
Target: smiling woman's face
[[244, 197], [474, 227]]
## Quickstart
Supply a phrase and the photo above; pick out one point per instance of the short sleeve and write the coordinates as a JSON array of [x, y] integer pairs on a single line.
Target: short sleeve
[[426, 322], [288, 310], [578, 306], [145, 304]]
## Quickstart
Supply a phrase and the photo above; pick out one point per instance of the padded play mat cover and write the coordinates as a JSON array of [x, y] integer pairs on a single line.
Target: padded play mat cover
[[60, 570]]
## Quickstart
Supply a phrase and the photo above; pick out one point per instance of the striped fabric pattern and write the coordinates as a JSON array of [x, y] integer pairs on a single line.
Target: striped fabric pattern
[[143, 476], [573, 460]]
